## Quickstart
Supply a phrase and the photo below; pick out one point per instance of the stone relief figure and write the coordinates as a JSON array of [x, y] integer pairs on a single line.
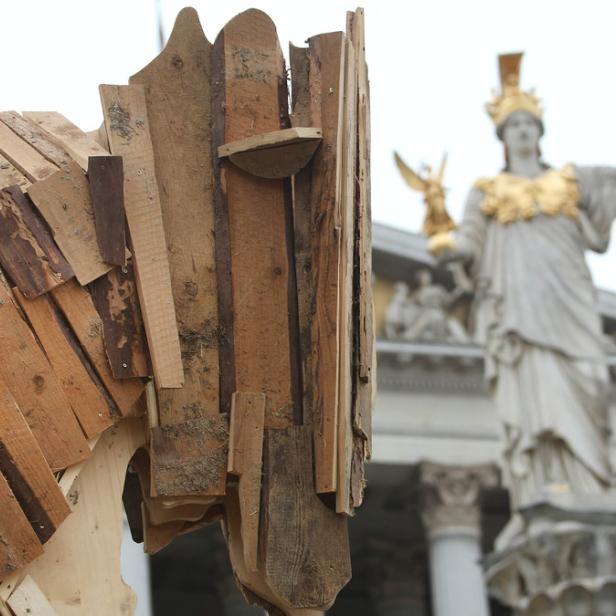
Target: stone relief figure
[[524, 234]]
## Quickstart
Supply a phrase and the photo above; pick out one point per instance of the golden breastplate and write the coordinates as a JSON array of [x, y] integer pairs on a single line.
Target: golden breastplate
[[509, 197]]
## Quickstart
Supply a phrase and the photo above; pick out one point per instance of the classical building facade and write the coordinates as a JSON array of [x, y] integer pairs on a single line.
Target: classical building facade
[[434, 502]]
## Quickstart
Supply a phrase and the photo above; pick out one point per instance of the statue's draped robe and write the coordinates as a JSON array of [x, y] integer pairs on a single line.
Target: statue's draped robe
[[536, 314]]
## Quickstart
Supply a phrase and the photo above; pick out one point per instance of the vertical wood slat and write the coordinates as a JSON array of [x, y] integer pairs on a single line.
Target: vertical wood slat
[[125, 112]]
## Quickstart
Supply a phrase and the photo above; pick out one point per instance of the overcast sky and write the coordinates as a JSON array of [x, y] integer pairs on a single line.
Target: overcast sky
[[432, 68]]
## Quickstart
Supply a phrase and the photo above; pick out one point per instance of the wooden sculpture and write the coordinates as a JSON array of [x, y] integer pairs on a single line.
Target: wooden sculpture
[[187, 292]]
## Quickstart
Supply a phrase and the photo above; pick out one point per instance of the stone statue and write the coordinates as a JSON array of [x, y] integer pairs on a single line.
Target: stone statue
[[524, 234]]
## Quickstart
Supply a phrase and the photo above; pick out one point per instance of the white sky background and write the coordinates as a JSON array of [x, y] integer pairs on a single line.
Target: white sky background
[[432, 67]]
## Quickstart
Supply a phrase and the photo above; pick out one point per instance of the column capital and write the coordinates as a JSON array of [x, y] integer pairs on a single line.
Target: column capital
[[450, 496]]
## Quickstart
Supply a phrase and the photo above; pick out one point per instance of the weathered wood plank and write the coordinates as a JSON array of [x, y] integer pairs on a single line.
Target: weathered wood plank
[[126, 119], [187, 458], [106, 177], [345, 301], [33, 135], [19, 544], [11, 176], [246, 461], [36, 389], [64, 201], [78, 308], [28, 600], [116, 301], [327, 96], [24, 466], [66, 135], [181, 137], [23, 156], [305, 543], [28, 253], [87, 401], [253, 72]]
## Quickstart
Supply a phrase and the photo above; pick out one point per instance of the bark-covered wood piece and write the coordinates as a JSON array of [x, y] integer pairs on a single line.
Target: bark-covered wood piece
[[64, 201], [106, 177], [126, 119], [23, 156], [116, 301], [246, 461], [32, 134], [35, 386], [24, 466], [28, 252], [77, 306], [305, 543], [327, 97], [187, 458], [66, 135], [249, 66], [90, 405], [19, 544]]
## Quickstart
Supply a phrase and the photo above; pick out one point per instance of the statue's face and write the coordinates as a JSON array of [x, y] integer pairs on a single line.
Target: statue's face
[[521, 133]]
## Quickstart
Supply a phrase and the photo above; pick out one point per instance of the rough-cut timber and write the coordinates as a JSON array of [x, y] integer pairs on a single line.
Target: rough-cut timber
[[246, 461], [326, 95], [78, 308], [19, 544], [126, 119], [24, 466], [28, 599], [89, 404], [251, 70], [35, 387], [106, 176], [64, 201], [28, 253], [36, 137], [66, 135], [305, 543], [117, 303], [23, 156]]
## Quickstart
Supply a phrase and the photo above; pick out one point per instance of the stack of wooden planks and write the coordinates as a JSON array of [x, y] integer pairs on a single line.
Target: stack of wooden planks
[[202, 260]]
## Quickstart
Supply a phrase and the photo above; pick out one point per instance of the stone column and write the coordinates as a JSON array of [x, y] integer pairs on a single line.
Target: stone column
[[450, 513]]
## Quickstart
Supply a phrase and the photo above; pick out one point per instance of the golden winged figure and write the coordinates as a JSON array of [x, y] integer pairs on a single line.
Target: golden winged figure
[[437, 219]]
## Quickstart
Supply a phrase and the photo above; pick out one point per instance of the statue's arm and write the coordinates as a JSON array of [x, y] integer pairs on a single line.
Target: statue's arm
[[597, 204]]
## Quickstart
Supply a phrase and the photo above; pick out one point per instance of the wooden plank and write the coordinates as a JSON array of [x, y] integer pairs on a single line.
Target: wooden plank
[[326, 95], [29, 600], [345, 301], [24, 466], [78, 308], [87, 401], [187, 458], [23, 156], [250, 68], [33, 135], [11, 176], [271, 139], [246, 461], [19, 544], [181, 137], [64, 201], [125, 112], [66, 135], [28, 253], [305, 543], [106, 176], [115, 298], [35, 387]]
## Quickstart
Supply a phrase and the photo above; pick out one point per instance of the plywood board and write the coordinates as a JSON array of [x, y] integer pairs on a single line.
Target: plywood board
[[35, 386], [64, 201], [126, 119], [87, 401], [66, 135], [28, 253]]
